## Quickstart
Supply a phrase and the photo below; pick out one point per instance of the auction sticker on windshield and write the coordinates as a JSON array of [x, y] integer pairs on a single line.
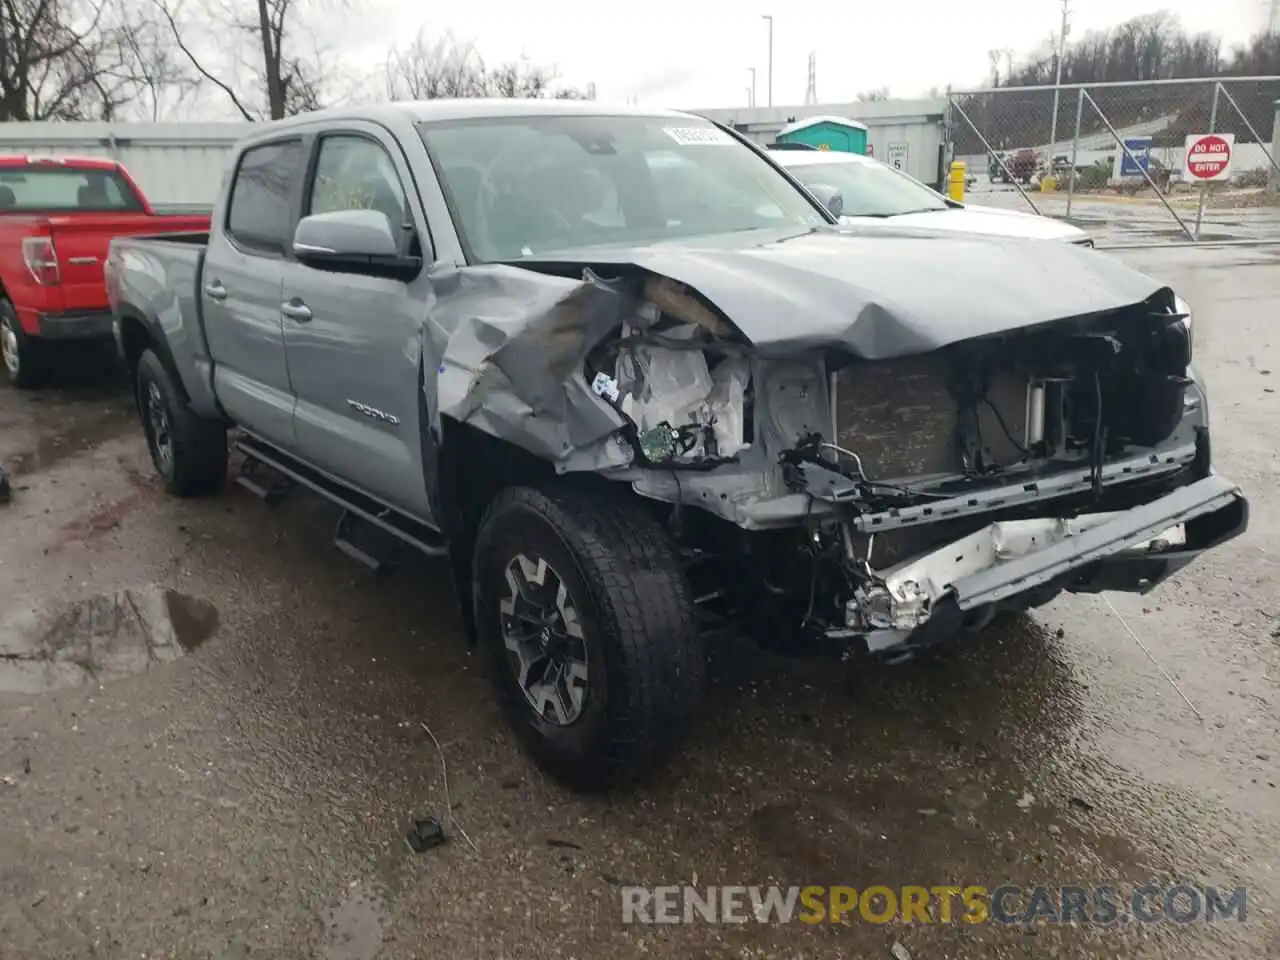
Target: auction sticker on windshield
[[696, 136]]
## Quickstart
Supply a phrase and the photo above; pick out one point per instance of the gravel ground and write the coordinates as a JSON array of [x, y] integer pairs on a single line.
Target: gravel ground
[[240, 785]]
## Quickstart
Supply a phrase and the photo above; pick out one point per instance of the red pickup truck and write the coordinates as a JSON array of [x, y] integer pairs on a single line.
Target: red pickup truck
[[57, 218]]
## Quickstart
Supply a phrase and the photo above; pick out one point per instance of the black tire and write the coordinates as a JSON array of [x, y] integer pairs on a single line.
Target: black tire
[[24, 359], [645, 663], [189, 451]]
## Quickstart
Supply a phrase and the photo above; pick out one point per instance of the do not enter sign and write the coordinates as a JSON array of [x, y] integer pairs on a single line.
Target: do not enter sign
[[1209, 156]]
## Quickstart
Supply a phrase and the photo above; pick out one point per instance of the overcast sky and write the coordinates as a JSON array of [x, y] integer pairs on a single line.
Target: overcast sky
[[697, 53]]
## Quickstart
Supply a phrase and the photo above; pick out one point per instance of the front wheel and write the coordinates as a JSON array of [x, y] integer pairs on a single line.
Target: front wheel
[[581, 603]]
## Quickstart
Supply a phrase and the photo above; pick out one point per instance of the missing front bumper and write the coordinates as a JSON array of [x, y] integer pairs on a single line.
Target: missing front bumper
[[1128, 550]]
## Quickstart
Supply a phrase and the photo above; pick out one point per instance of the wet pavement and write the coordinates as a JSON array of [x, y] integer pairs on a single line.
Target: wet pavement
[[212, 740], [1142, 219]]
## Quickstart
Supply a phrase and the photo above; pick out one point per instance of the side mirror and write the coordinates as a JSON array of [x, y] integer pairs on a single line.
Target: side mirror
[[829, 197], [353, 241]]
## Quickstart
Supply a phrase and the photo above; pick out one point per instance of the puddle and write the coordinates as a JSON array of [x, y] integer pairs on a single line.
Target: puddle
[[100, 638], [353, 925], [73, 438]]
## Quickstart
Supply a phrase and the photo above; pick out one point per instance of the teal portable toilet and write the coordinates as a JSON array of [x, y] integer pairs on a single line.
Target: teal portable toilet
[[827, 133]]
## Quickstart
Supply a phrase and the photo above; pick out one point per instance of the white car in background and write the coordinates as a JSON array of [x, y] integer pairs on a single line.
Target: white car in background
[[873, 191]]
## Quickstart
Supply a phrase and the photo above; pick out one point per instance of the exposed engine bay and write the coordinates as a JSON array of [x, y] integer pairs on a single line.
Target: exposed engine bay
[[818, 495]]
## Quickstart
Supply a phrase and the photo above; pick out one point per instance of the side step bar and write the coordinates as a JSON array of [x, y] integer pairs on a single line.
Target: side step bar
[[267, 489], [375, 556], [354, 504]]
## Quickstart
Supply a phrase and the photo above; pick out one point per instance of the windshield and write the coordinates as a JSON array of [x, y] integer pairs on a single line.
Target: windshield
[[524, 186], [45, 189], [870, 189]]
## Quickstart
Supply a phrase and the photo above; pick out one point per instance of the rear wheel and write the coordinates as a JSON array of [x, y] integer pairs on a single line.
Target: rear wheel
[[188, 451], [586, 614], [25, 359]]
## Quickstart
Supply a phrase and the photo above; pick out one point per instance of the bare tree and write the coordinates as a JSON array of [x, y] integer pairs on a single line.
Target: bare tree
[[433, 68], [292, 79], [1152, 46], [63, 59], [994, 56], [519, 79], [162, 78], [868, 96]]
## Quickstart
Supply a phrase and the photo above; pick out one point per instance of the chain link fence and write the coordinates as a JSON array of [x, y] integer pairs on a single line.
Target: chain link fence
[[1111, 157]]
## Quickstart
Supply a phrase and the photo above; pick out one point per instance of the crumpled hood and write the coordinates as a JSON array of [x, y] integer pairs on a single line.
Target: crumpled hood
[[883, 293]]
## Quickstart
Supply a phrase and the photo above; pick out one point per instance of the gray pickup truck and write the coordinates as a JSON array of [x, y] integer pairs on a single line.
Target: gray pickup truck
[[639, 388]]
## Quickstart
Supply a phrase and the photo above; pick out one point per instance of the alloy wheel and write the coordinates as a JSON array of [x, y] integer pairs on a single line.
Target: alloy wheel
[[9, 346], [545, 645], [158, 421]]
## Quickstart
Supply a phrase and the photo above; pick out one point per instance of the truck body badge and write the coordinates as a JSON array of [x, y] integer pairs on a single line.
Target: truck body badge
[[373, 413]]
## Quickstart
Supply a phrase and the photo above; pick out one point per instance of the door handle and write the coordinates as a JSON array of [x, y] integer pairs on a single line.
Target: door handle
[[295, 309], [216, 290]]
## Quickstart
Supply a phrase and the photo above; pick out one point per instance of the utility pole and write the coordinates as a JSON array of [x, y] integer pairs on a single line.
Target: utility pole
[[751, 100], [811, 91], [1273, 16], [1057, 78], [769, 17]]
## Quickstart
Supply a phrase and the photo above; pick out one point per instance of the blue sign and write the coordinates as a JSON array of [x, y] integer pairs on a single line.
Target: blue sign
[[1140, 147]]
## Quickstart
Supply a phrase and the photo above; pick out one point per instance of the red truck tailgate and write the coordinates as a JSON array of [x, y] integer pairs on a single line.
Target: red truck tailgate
[[57, 218], [81, 244]]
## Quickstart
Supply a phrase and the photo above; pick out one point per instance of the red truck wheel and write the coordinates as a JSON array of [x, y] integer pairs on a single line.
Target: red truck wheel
[[23, 358]]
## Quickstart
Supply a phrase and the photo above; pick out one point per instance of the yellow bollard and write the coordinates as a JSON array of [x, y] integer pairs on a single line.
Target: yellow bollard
[[955, 181], [1048, 184]]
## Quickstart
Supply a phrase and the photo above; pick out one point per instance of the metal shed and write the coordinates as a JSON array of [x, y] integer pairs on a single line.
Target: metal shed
[[827, 133], [178, 165]]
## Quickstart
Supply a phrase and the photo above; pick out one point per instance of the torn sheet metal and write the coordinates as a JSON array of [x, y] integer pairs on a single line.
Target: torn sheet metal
[[513, 338], [883, 293], [512, 344]]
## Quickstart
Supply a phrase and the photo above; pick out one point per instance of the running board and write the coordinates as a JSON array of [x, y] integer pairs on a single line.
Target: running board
[[266, 489], [377, 555], [354, 503]]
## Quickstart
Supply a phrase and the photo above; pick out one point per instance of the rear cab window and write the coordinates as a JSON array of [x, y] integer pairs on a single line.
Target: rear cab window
[[260, 216], [58, 188]]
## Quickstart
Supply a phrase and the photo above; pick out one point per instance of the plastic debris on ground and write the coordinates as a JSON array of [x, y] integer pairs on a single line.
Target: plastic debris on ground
[[426, 834]]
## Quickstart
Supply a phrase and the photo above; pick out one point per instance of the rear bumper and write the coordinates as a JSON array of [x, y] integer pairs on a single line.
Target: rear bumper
[[82, 325]]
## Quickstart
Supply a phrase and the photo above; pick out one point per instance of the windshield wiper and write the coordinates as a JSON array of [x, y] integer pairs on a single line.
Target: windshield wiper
[[895, 213]]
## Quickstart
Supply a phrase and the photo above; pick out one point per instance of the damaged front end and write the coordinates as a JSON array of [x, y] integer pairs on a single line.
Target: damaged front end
[[869, 502]]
